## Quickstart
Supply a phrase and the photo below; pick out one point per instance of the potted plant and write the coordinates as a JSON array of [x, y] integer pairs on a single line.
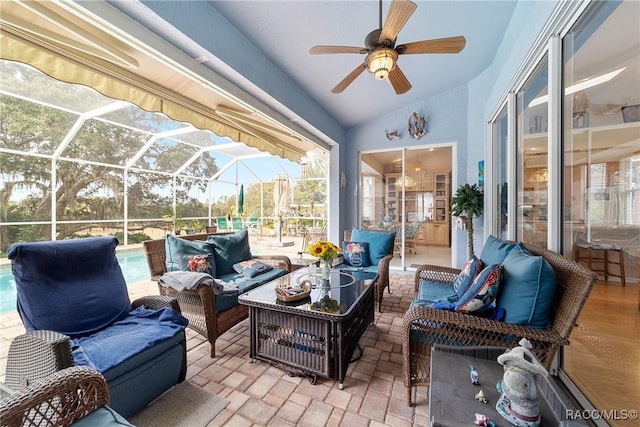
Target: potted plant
[[468, 203]]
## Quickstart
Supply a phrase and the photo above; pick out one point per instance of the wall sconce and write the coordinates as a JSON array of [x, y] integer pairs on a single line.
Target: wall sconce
[[417, 126]]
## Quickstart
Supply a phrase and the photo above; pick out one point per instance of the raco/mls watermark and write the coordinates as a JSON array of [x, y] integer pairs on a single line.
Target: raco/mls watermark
[[602, 414]]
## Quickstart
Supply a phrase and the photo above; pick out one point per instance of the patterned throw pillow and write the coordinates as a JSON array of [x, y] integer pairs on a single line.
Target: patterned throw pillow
[[201, 263], [251, 268], [483, 291], [356, 253], [471, 269]]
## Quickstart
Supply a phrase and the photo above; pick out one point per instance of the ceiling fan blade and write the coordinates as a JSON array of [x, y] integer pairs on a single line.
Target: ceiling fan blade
[[444, 45], [348, 80], [318, 50], [399, 81], [399, 13]]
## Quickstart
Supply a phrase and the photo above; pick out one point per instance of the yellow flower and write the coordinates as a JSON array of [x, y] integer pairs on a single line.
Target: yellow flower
[[323, 250]]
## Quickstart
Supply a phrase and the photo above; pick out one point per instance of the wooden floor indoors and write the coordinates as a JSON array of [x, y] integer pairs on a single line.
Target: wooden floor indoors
[[605, 353]]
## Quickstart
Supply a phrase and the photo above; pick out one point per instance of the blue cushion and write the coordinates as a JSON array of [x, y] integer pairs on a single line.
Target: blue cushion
[[380, 242], [496, 250], [230, 249], [244, 284], [251, 268], [176, 248], [436, 292], [356, 253], [80, 278], [102, 417], [528, 289], [482, 292], [201, 263], [471, 269]]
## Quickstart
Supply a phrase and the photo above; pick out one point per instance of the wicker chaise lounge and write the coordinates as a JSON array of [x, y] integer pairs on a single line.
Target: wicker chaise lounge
[[424, 324], [198, 305]]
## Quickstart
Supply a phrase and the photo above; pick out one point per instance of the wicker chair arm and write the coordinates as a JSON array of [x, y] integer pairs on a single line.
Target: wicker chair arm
[[35, 355], [435, 273], [450, 328], [278, 261], [156, 302], [59, 399]]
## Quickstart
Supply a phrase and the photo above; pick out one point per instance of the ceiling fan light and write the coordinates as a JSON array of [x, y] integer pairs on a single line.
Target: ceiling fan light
[[381, 62]]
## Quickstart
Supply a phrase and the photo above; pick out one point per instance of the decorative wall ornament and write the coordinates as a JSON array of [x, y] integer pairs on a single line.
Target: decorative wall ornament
[[392, 135], [417, 126]]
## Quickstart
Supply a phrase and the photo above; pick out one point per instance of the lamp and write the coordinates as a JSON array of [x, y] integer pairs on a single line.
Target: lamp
[[381, 61]]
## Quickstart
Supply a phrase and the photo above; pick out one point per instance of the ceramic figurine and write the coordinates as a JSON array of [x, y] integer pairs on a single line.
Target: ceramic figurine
[[518, 402], [483, 420], [481, 397], [474, 375]]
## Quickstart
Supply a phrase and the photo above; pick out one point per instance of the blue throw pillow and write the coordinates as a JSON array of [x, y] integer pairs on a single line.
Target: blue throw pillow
[[471, 269], [202, 263], [176, 248], [482, 292], [251, 268], [379, 242], [356, 253], [528, 290], [496, 250], [230, 249]]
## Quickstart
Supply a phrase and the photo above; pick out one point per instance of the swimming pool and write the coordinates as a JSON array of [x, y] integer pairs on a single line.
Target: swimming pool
[[132, 262]]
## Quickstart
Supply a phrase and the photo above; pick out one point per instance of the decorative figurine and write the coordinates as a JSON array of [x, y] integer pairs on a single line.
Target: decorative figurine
[[474, 375], [483, 420], [480, 397], [417, 126], [518, 402], [392, 135]]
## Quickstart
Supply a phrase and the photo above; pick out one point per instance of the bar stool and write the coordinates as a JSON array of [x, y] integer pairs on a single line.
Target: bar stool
[[599, 258]]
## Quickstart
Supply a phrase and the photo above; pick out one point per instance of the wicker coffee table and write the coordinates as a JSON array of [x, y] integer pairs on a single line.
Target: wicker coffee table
[[308, 341]]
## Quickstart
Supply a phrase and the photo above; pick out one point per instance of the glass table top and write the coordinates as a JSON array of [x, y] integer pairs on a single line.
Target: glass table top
[[345, 287]]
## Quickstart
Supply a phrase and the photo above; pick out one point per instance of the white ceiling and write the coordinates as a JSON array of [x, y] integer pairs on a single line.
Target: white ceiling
[[286, 30]]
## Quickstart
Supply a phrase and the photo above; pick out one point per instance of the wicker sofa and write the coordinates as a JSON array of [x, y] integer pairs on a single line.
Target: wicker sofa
[[424, 326], [199, 305]]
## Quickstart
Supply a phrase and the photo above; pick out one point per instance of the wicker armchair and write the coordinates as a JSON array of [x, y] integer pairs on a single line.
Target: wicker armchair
[[425, 324], [198, 305], [382, 281], [59, 399]]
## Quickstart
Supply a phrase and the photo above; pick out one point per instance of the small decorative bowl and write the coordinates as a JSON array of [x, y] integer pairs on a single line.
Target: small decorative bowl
[[294, 293]]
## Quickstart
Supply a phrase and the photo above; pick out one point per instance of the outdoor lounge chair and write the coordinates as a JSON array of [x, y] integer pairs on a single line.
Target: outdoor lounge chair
[[75, 288], [236, 223], [425, 326], [381, 263], [222, 223]]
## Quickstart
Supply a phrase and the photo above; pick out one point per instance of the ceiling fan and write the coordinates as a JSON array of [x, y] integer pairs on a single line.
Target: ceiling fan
[[382, 52]]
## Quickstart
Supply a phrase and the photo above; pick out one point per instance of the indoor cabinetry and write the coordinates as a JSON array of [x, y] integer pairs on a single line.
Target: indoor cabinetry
[[426, 200]]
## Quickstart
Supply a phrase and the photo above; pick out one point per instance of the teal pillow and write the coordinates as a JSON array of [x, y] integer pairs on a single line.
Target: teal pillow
[[482, 292], [528, 289], [471, 269], [229, 249], [176, 248], [379, 242], [496, 250]]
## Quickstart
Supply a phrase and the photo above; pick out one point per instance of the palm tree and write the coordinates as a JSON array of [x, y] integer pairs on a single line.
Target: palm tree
[[468, 200]]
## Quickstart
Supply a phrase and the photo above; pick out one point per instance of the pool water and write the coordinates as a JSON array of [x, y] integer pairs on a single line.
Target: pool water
[[132, 262]]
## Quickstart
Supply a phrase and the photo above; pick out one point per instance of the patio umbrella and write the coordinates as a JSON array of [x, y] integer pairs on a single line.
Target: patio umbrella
[[280, 200], [241, 199]]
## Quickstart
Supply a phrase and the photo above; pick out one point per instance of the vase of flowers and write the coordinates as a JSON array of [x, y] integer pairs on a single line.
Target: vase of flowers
[[327, 252]]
